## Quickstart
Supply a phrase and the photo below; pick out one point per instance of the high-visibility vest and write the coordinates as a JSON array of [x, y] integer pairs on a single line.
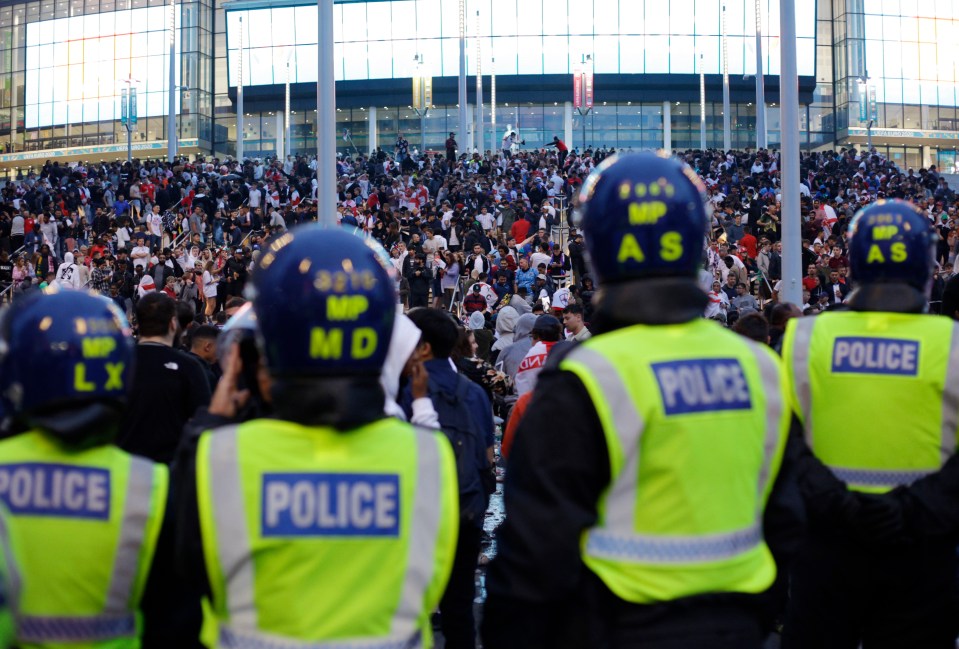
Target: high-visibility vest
[[877, 393], [9, 585], [695, 420], [84, 527], [321, 539]]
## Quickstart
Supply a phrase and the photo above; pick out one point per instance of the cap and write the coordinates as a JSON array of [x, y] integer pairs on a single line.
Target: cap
[[541, 276]]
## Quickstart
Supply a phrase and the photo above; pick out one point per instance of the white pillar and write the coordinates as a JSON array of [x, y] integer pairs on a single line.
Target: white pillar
[[325, 116], [280, 137], [478, 129], [462, 137], [374, 132], [789, 125], [239, 97], [667, 127], [567, 124], [171, 132], [760, 86], [727, 129]]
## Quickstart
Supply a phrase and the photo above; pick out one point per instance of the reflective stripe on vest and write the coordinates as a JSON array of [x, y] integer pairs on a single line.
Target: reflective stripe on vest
[[617, 539], [118, 619], [236, 557], [231, 639], [39, 628], [885, 478]]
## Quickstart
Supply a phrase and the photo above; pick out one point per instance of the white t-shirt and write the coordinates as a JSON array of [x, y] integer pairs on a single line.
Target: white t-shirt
[[561, 298], [141, 261], [209, 284], [156, 224]]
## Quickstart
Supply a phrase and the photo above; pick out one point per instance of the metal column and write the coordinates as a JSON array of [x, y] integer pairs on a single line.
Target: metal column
[[325, 117], [789, 100]]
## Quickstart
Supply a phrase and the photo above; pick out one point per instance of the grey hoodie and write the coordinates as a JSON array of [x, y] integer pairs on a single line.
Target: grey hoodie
[[505, 323], [510, 358]]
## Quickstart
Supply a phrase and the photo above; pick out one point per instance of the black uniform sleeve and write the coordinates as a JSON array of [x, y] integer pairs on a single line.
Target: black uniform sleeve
[[188, 545], [932, 503], [557, 470], [172, 616]]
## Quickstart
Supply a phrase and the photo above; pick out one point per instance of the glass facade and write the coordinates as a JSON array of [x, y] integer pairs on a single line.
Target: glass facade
[[62, 63], [378, 40]]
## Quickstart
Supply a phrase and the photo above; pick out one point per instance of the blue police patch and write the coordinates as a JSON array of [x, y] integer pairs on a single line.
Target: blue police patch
[[63, 490], [853, 355], [702, 385], [330, 504]]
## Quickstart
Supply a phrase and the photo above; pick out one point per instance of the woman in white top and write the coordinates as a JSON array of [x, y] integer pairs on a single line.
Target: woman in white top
[[210, 281]]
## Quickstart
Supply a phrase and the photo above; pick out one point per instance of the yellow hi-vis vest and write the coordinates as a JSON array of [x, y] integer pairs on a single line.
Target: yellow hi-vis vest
[[9, 585], [695, 420], [319, 539], [84, 527], [877, 393]]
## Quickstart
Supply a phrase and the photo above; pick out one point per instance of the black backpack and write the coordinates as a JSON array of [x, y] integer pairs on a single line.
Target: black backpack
[[467, 440]]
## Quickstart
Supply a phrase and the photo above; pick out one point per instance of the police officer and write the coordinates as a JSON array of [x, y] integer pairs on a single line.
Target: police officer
[[84, 516], [877, 390], [329, 524], [642, 515]]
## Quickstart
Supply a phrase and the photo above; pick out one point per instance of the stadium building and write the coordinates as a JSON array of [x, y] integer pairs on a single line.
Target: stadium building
[[66, 65]]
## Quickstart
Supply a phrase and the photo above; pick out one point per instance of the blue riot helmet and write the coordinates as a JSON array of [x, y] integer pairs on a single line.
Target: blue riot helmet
[[67, 363], [892, 242], [643, 216], [324, 303]]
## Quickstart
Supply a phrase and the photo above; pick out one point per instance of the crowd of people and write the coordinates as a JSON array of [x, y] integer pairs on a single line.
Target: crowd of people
[[492, 240]]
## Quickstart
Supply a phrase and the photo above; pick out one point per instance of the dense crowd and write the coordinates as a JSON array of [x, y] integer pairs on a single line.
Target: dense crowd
[[475, 234]]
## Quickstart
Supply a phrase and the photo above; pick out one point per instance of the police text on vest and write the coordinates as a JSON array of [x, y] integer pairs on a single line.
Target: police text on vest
[[330, 504], [702, 385], [875, 356], [38, 489]]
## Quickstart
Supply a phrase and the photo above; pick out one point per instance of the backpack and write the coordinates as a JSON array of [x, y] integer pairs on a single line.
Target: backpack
[[467, 440]]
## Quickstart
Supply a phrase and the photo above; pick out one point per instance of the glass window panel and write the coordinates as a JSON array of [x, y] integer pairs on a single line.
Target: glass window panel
[[156, 43], [579, 46], [682, 55], [875, 64], [679, 13], [59, 115], [403, 54], [944, 8], [529, 51], [631, 59], [354, 22], [657, 17], [873, 26], [806, 55], [910, 60], [606, 16], [893, 91], [46, 85], [46, 114], [261, 66], [107, 109], [261, 32], [736, 18], [32, 115], [108, 48], [805, 20], [606, 55], [432, 56], [774, 57], [450, 19], [46, 56], [45, 34], [404, 19], [451, 57], [555, 52], [282, 19], [379, 29], [306, 25], [380, 59], [138, 22], [581, 17], [427, 18], [505, 50], [632, 17], [709, 47], [503, 14], [657, 54], [554, 17], [155, 103], [911, 94], [707, 17], [306, 63]]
